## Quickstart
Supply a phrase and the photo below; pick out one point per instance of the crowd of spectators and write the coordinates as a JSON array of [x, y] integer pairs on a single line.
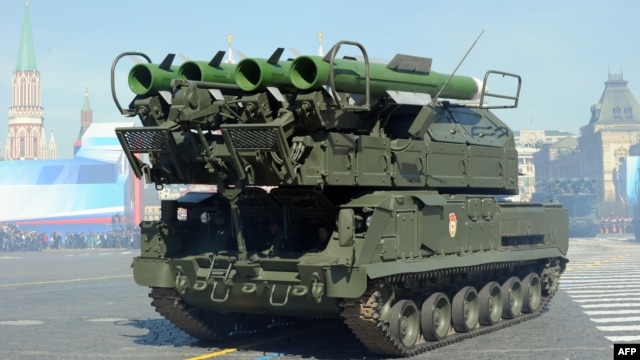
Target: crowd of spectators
[[15, 238]]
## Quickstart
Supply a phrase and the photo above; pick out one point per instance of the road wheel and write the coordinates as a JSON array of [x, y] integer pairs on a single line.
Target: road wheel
[[490, 303], [532, 293], [385, 296], [405, 322], [436, 316], [511, 298], [465, 309]]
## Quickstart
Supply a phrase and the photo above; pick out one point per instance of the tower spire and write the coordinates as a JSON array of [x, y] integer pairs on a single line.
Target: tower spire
[[86, 115], [26, 52], [229, 49], [25, 136], [320, 49]]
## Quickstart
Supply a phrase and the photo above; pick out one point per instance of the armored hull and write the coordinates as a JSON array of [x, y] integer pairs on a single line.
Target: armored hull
[[379, 208]]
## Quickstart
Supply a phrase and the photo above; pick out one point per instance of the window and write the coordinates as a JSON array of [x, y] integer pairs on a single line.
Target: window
[[616, 112]]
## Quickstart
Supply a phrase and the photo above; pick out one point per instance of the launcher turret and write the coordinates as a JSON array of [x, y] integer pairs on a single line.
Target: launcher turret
[[318, 122]]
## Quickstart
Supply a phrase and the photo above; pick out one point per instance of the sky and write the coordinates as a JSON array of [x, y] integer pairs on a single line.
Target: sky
[[563, 50]]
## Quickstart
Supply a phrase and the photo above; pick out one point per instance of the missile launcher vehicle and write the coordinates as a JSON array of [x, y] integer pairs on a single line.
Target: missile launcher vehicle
[[346, 190], [579, 197]]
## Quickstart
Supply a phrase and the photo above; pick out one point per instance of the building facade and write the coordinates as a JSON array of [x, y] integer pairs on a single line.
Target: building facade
[[26, 138], [528, 143], [602, 147]]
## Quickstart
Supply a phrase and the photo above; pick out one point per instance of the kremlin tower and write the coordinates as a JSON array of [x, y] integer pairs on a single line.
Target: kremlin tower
[[86, 119], [26, 138]]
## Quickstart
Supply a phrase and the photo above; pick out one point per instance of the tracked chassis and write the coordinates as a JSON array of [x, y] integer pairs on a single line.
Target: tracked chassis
[[372, 319]]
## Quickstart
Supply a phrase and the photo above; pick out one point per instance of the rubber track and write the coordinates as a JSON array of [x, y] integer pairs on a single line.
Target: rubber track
[[362, 315], [170, 305]]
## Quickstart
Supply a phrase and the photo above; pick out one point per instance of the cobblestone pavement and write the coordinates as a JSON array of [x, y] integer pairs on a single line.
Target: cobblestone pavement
[[604, 280], [83, 303]]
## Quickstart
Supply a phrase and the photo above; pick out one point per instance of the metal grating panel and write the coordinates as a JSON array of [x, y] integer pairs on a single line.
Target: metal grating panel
[[145, 140], [253, 139]]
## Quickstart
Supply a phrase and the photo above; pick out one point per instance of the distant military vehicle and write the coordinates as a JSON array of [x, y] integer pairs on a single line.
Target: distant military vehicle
[[579, 196], [383, 213]]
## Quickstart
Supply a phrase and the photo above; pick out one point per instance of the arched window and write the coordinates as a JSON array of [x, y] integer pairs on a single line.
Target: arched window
[[23, 147], [23, 91]]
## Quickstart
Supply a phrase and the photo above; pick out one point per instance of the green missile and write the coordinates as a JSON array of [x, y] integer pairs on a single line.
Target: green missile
[[214, 71], [255, 74], [312, 73], [148, 78]]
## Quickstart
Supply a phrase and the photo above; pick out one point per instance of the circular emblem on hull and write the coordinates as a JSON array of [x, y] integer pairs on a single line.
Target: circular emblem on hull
[[453, 224]]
